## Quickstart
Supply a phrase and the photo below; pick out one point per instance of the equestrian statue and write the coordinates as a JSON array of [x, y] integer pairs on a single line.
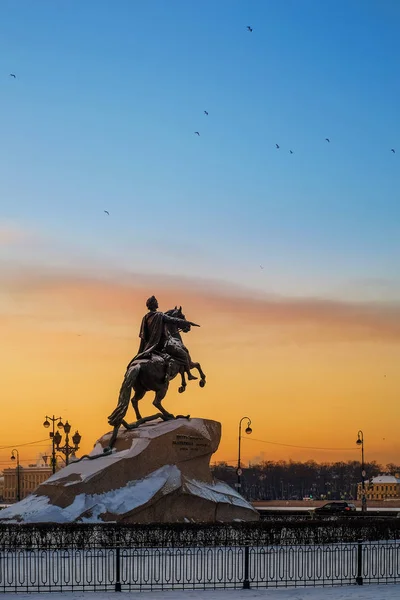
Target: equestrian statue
[[161, 357]]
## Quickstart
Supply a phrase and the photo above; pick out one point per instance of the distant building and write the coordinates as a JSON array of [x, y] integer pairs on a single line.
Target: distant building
[[381, 487], [1, 487], [29, 479]]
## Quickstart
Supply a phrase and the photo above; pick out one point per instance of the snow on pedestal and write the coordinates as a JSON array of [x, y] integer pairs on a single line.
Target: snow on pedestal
[[157, 473]]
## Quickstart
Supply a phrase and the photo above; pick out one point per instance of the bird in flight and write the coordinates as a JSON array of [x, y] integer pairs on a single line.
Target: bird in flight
[[197, 133], [249, 28], [394, 151], [277, 146], [291, 151], [206, 113], [327, 140], [107, 213], [12, 75], [261, 267]]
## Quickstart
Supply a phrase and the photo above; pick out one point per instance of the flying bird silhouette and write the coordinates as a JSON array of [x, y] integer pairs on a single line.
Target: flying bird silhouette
[[291, 151], [261, 267], [12, 75], [327, 140], [394, 151], [249, 28], [277, 146], [107, 213], [197, 133], [206, 113]]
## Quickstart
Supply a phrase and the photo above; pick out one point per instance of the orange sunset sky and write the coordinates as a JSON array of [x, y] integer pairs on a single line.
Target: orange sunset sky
[[308, 372], [250, 176]]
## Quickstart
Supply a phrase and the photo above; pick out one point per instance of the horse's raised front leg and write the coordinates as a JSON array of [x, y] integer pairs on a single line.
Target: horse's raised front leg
[[196, 365], [182, 388], [160, 395]]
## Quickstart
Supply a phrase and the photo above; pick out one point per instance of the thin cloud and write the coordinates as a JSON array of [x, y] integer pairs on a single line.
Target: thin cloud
[[244, 313], [11, 233]]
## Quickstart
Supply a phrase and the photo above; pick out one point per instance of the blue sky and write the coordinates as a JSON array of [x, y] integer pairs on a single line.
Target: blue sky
[[103, 112]]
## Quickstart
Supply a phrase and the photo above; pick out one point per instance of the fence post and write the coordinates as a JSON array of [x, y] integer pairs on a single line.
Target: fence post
[[118, 569], [246, 581], [359, 578]]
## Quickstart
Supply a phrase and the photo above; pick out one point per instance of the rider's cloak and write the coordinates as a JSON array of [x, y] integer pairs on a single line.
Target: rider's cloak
[[152, 333]]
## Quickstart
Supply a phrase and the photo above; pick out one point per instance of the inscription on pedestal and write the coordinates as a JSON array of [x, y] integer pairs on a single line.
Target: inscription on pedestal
[[190, 442]]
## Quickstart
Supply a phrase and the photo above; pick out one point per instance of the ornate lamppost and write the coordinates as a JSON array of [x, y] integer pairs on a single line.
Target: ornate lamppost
[[46, 424], [360, 442], [248, 430], [67, 449], [15, 454]]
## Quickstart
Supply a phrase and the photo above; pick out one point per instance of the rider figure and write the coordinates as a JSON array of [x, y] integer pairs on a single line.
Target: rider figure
[[153, 336]]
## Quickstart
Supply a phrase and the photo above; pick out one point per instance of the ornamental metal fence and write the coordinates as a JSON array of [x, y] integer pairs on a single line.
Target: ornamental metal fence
[[46, 558]]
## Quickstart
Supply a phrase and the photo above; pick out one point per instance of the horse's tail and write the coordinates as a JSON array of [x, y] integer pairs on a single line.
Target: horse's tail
[[116, 417]]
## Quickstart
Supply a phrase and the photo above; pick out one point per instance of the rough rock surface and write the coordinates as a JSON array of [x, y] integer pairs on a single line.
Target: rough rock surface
[[158, 472]]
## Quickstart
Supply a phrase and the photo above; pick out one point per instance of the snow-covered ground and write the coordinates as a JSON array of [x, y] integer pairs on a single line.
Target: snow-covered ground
[[370, 592]]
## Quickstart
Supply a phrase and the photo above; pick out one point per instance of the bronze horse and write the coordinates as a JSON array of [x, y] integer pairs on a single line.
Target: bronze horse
[[152, 374]]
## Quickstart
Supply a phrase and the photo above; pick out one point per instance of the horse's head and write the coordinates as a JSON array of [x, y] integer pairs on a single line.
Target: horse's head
[[178, 314]]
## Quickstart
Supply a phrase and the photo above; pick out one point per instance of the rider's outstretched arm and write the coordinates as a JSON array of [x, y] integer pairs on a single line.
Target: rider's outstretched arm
[[179, 322]]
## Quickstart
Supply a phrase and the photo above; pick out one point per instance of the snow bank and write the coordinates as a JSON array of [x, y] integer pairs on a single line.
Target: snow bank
[[86, 469], [37, 509], [216, 492]]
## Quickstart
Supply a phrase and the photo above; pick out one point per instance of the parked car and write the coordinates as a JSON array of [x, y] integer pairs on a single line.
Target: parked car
[[335, 508]]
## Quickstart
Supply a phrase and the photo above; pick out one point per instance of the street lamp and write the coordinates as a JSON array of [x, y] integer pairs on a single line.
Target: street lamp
[[17, 473], [248, 430], [46, 424], [67, 449], [360, 442]]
